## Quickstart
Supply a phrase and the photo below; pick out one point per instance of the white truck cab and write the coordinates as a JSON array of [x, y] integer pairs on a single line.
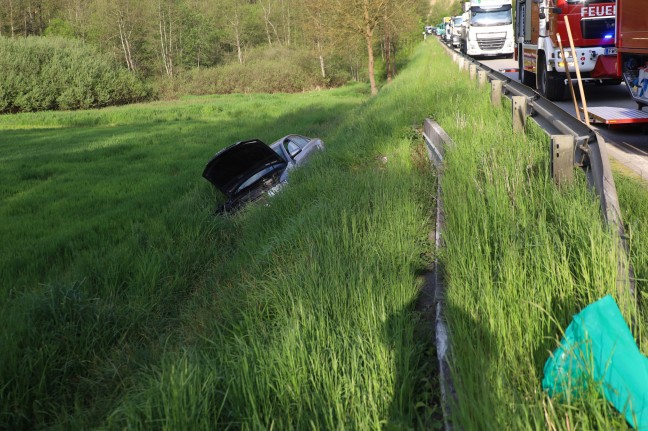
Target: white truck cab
[[487, 29]]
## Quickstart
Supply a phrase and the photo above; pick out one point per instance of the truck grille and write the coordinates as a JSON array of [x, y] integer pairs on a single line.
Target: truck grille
[[598, 28], [486, 44]]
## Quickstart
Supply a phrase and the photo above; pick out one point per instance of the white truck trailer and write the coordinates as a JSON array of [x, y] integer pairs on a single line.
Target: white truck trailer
[[487, 29]]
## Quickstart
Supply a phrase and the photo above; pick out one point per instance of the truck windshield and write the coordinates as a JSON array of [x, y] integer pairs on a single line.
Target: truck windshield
[[497, 16]]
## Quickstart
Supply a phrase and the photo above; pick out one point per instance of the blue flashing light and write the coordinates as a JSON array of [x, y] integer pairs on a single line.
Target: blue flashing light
[[608, 36]]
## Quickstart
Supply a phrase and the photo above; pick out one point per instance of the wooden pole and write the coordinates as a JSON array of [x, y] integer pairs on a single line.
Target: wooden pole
[[571, 85], [578, 75]]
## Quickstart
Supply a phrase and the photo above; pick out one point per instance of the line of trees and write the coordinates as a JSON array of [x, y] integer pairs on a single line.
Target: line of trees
[[164, 38]]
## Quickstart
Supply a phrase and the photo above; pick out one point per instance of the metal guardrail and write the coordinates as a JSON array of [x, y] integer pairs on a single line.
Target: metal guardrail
[[437, 140], [574, 144]]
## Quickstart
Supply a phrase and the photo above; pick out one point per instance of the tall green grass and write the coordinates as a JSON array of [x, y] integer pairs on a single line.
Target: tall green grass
[[128, 304], [309, 323], [107, 228], [522, 256], [296, 315], [633, 199]]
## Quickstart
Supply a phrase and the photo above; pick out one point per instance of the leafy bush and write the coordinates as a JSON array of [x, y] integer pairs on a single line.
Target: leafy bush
[[55, 73], [269, 70]]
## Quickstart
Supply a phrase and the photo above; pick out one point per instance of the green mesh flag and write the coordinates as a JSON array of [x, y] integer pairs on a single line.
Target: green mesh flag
[[598, 348]]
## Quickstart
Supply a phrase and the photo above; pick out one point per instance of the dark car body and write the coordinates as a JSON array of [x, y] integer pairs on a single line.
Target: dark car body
[[248, 170]]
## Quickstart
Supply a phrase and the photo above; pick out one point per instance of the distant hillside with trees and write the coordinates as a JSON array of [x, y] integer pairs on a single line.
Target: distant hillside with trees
[[216, 46]]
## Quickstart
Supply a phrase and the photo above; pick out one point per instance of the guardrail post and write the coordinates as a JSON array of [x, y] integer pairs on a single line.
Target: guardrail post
[[481, 77], [562, 158], [473, 71], [519, 113], [496, 92], [461, 62]]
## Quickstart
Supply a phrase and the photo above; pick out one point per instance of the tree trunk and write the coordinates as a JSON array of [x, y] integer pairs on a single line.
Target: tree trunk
[[268, 24], [388, 56], [266, 18], [368, 34], [321, 59], [238, 46], [165, 41], [124, 39], [371, 68], [393, 62], [235, 22], [11, 19]]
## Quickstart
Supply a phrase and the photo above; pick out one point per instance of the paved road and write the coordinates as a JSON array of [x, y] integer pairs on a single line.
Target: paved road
[[628, 144]]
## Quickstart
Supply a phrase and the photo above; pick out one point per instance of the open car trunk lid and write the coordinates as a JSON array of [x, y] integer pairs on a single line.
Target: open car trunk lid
[[232, 166]]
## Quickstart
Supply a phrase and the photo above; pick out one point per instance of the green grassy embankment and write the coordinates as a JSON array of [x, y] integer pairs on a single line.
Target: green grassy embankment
[[128, 304], [522, 256]]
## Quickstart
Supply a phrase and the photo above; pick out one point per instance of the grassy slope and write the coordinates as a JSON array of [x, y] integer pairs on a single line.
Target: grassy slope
[[633, 198], [309, 322], [522, 257], [109, 225], [299, 314], [124, 294]]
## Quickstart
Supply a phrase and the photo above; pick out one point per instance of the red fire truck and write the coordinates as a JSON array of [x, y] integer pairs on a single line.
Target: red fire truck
[[632, 43], [592, 23]]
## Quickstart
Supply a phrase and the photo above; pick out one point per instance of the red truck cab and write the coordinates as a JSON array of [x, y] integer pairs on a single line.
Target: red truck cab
[[538, 24]]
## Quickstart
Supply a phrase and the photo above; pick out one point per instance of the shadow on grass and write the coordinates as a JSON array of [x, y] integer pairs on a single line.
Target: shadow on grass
[[415, 402], [428, 408]]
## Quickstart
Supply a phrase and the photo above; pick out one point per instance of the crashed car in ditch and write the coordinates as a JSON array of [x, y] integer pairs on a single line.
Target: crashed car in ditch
[[248, 170]]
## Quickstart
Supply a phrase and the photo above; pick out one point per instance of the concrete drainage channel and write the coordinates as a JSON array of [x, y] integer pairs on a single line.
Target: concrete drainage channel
[[573, 145]]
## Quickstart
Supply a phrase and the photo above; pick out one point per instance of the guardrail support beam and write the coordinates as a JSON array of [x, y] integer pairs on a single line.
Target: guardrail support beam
[[562, 158], [473, 71], [519, 113], [496, 92], [482, 77]]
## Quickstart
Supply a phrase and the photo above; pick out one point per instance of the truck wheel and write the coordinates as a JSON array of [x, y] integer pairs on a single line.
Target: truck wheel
[[548, 83], [527, 78]]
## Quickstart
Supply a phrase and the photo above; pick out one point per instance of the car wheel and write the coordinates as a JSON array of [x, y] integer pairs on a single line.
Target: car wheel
[[549, 83]]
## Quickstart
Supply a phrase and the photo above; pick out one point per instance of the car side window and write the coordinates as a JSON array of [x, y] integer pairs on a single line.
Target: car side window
[[292, 148], [299, 140]]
